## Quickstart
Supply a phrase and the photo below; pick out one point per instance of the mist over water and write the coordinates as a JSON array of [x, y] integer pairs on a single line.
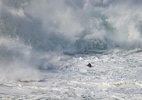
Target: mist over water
[[58, 25], [30, 28]]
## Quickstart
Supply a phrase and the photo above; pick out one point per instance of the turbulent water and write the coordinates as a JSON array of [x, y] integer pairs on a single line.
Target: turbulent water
[[40, 40]]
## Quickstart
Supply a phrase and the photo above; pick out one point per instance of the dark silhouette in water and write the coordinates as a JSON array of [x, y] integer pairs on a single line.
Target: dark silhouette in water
[[89, 65]]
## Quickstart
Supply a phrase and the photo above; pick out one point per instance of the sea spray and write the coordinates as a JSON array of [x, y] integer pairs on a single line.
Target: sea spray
[[58, 25], [29, 29]]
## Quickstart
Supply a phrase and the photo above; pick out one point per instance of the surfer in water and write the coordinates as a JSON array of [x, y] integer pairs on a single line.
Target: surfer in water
[[89, 65]]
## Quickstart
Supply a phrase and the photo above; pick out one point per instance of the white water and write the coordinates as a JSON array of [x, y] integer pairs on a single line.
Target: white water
[[46, 44]]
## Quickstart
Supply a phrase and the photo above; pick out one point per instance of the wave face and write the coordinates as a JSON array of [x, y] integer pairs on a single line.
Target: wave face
[[31, 27]]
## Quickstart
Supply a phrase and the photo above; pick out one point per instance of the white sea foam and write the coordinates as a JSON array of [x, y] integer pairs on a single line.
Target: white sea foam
[[54, 40]]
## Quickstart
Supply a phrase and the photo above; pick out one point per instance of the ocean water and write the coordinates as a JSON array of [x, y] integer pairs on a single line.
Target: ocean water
[[45, 46]]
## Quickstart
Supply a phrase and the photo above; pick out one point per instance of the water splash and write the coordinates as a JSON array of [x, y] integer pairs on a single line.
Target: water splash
[[31, 26]]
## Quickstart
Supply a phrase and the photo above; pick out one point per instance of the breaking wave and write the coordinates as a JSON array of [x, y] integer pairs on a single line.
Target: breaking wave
[[29, 28], [58, 25]]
